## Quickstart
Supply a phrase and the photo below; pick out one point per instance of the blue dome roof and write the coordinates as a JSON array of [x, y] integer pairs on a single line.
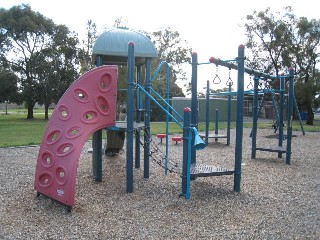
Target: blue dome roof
[[112, 45]]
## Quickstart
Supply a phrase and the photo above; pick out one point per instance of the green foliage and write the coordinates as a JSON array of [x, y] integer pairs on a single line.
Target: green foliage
[[85, 52], [175, 51], [24, 33], [56, 70], [268, 40], [42, 53], [279, 41], [8, 86]]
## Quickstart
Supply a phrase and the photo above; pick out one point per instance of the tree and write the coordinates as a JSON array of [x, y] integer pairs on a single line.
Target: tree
[[28, 40], [56, 69], [25, 33], [85, 53], [175, 51], [305, 56], [8, 86], [278, 42]]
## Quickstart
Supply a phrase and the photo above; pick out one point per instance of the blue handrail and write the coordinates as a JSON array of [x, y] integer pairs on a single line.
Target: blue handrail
[[159, 105], [166, 103], [164, 63]]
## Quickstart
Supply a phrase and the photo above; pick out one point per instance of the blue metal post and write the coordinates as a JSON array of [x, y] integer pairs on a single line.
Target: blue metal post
[[186, 157], [280, 115], [138, 119], [216, 127], [167, 116], [239, 124], [261, 104], [194, 100], [229, 115], [130, 109], [207, 112], [97, 145], [290, 110], [97, 155], [275, 104], [298, 114], [147, 86], [167, 103], [254, 117]]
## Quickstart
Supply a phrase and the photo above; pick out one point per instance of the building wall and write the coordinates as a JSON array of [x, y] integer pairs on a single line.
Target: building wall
[[221, 104], [179, 104]]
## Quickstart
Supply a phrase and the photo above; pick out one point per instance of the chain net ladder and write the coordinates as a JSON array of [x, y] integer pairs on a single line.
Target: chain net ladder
[[159, 157]]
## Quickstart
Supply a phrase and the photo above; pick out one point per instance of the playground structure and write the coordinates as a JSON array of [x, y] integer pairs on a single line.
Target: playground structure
[[229, 83], [198, 170], [216, 134], [69, 128], [262, 87], [289, 105], [89, 106]]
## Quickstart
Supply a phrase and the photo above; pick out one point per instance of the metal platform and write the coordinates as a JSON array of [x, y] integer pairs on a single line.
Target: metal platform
[[272, 149], [213, 136], [203, 170], [122, 126]]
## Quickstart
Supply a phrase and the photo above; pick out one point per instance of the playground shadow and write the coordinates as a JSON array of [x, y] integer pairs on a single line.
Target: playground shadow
[[269, 161], [218, 144], [205, 190], [276, 136]]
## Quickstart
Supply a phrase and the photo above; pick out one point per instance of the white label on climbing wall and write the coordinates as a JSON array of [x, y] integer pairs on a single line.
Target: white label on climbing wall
[[60, 192]]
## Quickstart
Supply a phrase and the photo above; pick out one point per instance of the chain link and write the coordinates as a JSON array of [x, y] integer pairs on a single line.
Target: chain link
[[250, 85], [216, 79], [229, 81], [159, 157]]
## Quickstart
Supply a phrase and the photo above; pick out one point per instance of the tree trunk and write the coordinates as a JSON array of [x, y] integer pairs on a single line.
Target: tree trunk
[[310, 117], [46, 111], [30, 112], [6, 107]]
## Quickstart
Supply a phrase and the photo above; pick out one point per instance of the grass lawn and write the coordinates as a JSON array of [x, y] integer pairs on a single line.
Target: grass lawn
[[16, 130]]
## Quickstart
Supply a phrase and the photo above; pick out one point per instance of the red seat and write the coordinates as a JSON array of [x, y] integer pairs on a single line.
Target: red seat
[[177, 139], [161, 135]]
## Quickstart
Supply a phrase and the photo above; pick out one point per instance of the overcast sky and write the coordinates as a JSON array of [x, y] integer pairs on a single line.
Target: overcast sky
[[211, 28]]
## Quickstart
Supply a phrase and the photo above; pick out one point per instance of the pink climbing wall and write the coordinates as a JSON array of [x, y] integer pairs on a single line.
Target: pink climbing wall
[[87, 106]]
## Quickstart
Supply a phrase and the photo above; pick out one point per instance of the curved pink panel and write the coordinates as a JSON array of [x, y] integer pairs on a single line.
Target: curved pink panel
[[47, 159], [102, 105], [74, 132], [87, 106], [80, 95], [54, 136]]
